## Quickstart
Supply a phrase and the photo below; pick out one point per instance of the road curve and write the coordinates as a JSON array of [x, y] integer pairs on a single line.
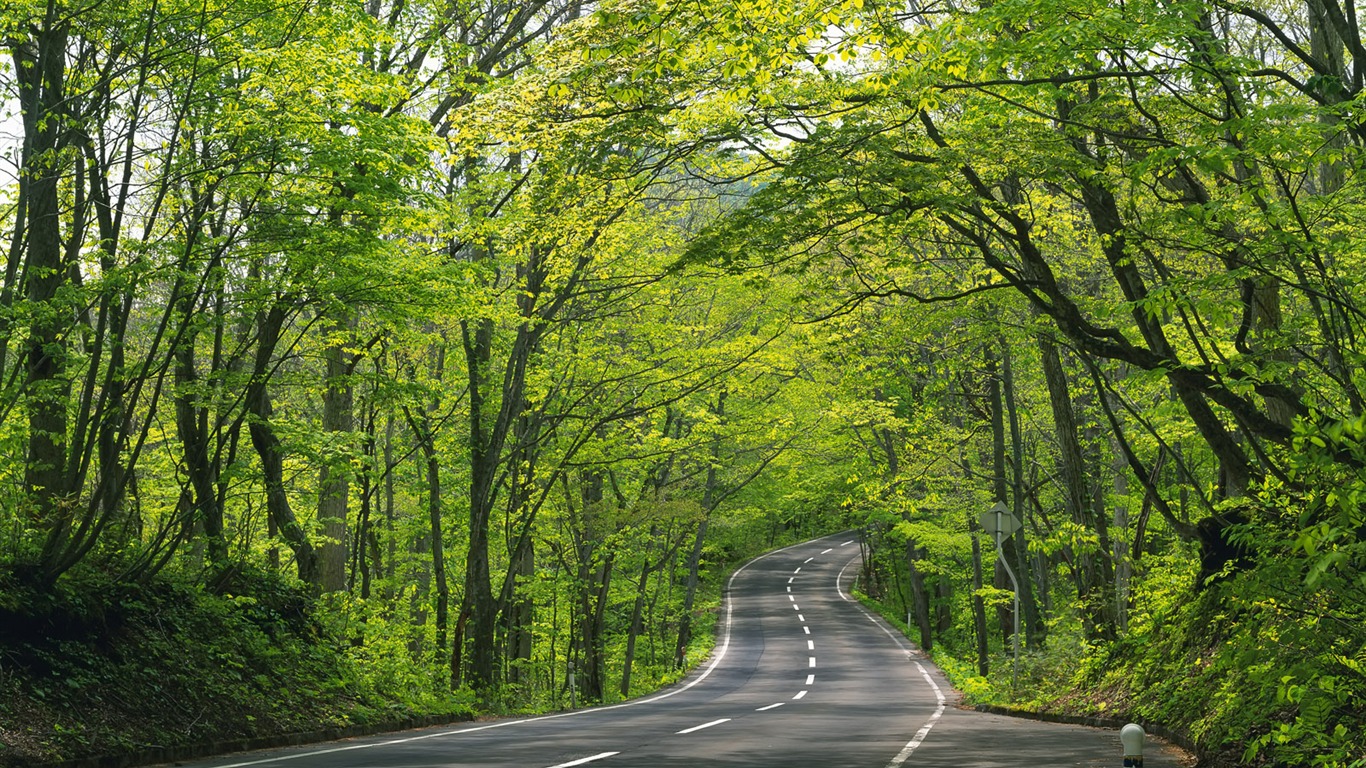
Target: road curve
[[802, 677]]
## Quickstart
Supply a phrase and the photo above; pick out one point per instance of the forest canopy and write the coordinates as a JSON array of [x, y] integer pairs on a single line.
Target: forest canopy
[[487, 335]]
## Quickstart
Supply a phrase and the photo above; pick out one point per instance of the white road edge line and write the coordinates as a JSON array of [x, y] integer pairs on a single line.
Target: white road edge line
[[705, 725], [839, 577], [770, 706], [583, 760], [717, 656], [924, 729], [799, 695]]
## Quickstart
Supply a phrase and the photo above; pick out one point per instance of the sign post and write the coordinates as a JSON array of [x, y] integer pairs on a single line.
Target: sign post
[[1000, 523]]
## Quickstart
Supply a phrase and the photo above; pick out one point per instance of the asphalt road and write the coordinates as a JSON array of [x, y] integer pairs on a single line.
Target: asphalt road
[[802, 677]]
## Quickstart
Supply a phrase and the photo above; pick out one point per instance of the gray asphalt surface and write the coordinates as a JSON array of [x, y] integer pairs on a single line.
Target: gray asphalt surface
[[802, 677]]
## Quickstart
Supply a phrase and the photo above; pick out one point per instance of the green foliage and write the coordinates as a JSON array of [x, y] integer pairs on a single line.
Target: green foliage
[[96, 668]]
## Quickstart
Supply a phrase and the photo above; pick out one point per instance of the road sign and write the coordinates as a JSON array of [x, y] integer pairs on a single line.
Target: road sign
[[999, 518]]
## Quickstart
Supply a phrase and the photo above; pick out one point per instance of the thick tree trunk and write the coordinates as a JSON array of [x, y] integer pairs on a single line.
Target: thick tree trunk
[[485, 452], [40, 70]]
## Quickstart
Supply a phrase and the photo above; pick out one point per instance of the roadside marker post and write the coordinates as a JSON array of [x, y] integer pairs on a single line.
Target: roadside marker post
[[572, 687], [1131, 736]]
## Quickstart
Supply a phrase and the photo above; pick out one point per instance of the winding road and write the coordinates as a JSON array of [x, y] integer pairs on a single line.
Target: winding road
[[802, 677]]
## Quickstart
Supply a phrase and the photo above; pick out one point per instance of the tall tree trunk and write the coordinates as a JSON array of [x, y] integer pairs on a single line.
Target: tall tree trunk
[[979, 611], [690, 589], [637, 614], [334, 480], [1086, 572], [40, 71], [920, 598], [1005, 612], [485, 452], [1035, 629], [191, 428], [1123, 565], [521, 611], [709, 502], [443, 591], [270, 451]]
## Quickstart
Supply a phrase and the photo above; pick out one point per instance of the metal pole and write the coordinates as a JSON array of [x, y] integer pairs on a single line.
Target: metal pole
[[1000, 556]]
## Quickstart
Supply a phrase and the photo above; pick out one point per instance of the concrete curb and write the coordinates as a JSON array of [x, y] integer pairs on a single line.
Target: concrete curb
[[154, 755], [1153, 729]]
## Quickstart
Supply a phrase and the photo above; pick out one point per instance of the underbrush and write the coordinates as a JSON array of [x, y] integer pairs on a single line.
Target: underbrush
[[94, 669], [1257, 668]]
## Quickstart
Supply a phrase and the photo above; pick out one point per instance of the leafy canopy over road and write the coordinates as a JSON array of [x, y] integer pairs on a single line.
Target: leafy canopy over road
[[465, 341]]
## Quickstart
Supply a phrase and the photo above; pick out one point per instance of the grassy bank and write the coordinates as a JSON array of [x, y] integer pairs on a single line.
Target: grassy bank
[[92, 669]]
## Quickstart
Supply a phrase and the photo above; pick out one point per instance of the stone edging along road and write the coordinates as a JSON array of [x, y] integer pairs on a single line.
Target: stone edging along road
[[157, 755], [1152, 729]]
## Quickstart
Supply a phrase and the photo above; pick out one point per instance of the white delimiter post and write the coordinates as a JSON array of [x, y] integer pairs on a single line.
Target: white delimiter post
[[1131, 736]]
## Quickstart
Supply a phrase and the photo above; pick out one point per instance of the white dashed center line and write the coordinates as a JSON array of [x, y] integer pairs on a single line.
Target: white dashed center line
[[810, 679], [770, 706], [799, 694], [704, 725], [793, 598], [811, 661], [791, 579], [828, 551], [789, 589], [796, 607], [799, 616], [847, 543], [583, 760], [806, 629], [799, 570], [810, 645], [807, 560]]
